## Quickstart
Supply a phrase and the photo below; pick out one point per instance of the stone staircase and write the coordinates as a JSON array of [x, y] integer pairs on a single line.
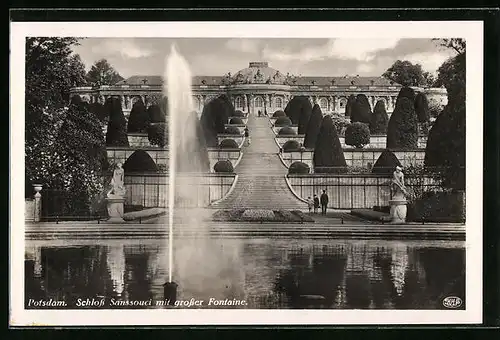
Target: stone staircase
[[261, 175]]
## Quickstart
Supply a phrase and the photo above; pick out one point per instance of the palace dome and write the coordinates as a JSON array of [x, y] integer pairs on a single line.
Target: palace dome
[[259, 73]]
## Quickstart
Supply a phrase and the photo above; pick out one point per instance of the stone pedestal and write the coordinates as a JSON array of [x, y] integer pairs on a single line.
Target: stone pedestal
[[115, 209], [398, 210], [38, 203]]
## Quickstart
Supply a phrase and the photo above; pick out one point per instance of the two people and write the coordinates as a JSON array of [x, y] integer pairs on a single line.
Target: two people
[[316, 201]]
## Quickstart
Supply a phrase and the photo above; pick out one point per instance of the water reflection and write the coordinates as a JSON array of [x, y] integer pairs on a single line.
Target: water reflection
[[266, 273]]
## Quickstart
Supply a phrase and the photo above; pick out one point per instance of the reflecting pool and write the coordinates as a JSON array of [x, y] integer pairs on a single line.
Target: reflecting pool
[[247, 273]]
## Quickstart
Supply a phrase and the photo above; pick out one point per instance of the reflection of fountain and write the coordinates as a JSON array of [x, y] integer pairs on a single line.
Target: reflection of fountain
[[116, 267], [399, 266]]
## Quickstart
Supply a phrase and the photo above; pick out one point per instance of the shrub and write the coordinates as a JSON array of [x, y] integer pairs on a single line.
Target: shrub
[[341, 123], [239, 113], [98, 110], [437, 207], [140, 161], [228, 144], [116, 135], [225, 106], [379, 119], [386, 163], [304, 116], [138, 121], [407, 92], [357, 134], [279, 113], [361, 111], [232, 130], [293, 109], [213, 120], [156, 114], [291, 145], [402, 129], [348, 107], [328, 153], [299, 168], [236, 120], [158, 134], [286, 131], [313, 127], [224, 166], [283, 121], [422, 108]]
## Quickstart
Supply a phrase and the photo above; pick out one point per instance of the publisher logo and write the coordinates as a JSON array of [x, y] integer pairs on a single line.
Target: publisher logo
[[452, 302]]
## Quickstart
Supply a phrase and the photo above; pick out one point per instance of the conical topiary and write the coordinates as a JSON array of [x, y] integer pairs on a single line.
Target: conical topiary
[[379, 119], [328, 153], [349, 105], [138, 121], [386, 163], [361, 111], [116, 134], [402, 129], [313, 127]]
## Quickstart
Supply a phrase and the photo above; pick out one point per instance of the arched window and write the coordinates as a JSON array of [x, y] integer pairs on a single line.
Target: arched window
[[239, 102], [278, 103], [259, 102], [342, 103], [323, 104]]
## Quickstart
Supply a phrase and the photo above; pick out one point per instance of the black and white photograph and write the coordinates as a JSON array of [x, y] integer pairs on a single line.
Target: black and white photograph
[[223, 173]]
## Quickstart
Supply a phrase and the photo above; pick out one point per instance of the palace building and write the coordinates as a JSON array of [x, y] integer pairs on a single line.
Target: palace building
[[260, 87]]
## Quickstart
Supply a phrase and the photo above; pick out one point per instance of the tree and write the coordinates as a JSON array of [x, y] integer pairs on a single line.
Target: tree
[[357, 134], [51, 70], [328, 153], [214, 118], [445, 149], [379, 119], [457, 44], [402, 129], [361, 110], [102, 73], [158, 134], [348, 107], [156, 114], [313, 127], [405, 73], [296, 107], [98, 110], [138, 121], [407, 92], [116, 134], [304, 116]]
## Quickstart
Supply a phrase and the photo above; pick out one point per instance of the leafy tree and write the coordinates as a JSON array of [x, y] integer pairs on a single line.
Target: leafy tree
[[116, 134], [51, 70], [457, 44], [102, 73], [340, 122], [357, 134], [98, 110], [313, 127], [386, 163], [407, 74], [402, 129], [379, 119], [138, 121], [422, 108], [348, 107], [446, 142], [361, 110], [328, 153]]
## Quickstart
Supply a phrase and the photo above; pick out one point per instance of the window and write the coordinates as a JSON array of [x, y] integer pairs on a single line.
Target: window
[[323, 104], [278, 103], [342, 103], [239, 102], [259, 102]]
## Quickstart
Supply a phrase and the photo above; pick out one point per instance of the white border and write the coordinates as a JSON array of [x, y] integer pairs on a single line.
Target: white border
[[472, 31]]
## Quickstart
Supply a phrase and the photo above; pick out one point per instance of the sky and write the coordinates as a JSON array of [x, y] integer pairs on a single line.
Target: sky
[[307, 57]]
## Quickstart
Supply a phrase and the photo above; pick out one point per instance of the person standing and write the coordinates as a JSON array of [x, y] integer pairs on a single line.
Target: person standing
[[310, 204], [324, 202], [316, 203]]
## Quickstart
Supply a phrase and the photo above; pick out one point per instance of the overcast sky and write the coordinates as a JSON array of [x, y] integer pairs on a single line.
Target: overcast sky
[[216, 56]]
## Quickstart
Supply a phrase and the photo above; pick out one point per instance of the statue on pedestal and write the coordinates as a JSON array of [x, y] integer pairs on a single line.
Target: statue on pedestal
[[115, 197], [398, 197]]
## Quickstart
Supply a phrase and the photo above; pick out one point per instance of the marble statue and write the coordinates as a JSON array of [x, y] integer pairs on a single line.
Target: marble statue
[[117, 186], [398, 187], [399, 192]]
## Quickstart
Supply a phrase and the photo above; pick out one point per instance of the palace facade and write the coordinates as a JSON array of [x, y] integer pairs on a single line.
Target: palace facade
[[260, 87]]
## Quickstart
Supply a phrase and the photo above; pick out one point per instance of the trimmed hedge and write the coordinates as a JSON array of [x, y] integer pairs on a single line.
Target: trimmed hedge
[[140, 161], [348, 107], [232, 130], [402, 129], [305, 116], [283, 121], [357, 134], [239, 113], [213, 120], [361, 110], [379, 119], [236, 120], [224, 166], [422, 108], [313, 127], [386, 163], [286, 131], [291, 145], [138, 121], [158, 134], [328, 153], [228, 144], [156, 114], [299, 168], [279, 113], [116, 135], [293, 109]]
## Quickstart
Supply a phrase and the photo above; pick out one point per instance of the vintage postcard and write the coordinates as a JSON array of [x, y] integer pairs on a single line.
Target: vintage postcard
[[246, 173]]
